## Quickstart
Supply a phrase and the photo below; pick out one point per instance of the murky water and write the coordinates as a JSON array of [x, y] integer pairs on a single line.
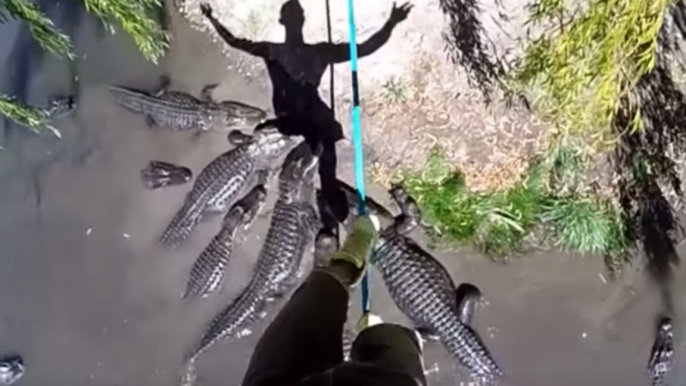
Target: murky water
[[88, 297]]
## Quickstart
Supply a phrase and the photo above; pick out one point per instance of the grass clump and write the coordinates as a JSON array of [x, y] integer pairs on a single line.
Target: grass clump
[[585, 224], [502, 222]]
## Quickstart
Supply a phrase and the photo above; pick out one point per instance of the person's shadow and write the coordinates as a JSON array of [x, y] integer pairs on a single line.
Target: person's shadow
[[296, 68]]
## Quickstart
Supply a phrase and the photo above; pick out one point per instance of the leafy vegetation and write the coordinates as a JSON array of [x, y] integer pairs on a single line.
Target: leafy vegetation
[[27, 116], [42, 28], [587, 57], [135, 17], [501, 222]]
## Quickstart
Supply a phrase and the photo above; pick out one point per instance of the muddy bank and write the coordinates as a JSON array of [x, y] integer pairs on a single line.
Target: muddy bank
[[413, 97]]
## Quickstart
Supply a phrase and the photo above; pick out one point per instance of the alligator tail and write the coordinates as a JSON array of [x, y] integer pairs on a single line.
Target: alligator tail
[[245, 309], [465, 344], [208, 270], [182, 224], [131, 100]]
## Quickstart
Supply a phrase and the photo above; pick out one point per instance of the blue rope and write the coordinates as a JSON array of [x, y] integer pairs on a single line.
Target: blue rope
[[357, 141]]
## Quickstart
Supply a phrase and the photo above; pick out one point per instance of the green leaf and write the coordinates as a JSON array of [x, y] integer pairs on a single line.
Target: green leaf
[[43, 30]]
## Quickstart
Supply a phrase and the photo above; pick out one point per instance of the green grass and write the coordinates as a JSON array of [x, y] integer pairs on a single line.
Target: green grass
[[503, 222], [584, 224]]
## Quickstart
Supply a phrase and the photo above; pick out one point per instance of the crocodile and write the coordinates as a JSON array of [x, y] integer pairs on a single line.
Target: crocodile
[[208, 270], [220, 182], [468, 296], [159, 174], [424, 291], [662, 353], [180, 111], [291, 231]]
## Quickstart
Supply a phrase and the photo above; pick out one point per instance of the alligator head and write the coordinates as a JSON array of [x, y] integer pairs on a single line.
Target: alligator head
[[296, 180], [661, 356], [159, 174], [410, 215], [237, 137], [237, 114], [269, 142], [59, 105], [244, 211]]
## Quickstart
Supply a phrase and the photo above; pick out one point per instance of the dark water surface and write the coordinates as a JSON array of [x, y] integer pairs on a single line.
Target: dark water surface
[[88, 297]]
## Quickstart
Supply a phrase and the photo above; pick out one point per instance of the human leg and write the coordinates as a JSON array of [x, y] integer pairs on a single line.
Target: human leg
[[305, 337], [391, 347]]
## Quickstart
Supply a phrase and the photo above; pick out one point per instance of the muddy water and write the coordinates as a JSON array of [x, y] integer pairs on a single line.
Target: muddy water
[[90, 299]]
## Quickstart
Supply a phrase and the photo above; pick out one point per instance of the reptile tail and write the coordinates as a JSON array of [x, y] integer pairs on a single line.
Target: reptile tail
[[131, 100], [182, 224], [245, 309], [467, 347], [208, 270]]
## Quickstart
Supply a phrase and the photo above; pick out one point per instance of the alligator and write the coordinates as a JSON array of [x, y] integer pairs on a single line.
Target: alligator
[[159, 174], [220, 182], [468, 299], [11, 369], [59, 105], [662, 353], [424, 291], [467, 296], [208, 270], [180, 111], [293, 224]]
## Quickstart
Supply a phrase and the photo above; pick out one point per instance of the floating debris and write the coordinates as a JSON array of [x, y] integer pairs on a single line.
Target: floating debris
[[88, 232], [245, 332], [126, 235], [602, 278], [431, 370]]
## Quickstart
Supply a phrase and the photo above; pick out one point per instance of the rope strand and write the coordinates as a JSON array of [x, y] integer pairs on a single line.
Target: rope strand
[[357, 142]]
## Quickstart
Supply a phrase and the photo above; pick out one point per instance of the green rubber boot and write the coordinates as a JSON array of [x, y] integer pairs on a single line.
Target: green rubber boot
[[352, 258]]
